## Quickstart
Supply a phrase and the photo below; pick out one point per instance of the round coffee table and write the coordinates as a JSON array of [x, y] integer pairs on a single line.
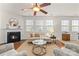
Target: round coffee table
[[39, 47]]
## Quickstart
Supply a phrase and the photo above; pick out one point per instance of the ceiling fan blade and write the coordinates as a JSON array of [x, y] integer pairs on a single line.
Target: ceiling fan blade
[[34, 13], [25, 9], [43, 11], [45, 4]]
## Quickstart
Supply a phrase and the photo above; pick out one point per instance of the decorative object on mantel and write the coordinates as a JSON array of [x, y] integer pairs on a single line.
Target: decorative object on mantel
[[13, 24]]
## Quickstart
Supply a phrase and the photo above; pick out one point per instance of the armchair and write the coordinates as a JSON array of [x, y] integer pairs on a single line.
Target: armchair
[[8, 50], [72, 46], [64, 52]]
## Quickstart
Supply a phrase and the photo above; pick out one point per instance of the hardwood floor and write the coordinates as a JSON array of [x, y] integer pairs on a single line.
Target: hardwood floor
[[23, 45], [29, 48]]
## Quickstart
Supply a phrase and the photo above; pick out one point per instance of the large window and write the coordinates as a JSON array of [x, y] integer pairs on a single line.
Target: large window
[[48, 24], [75, 25], [29, 25], [65, 25], [39, 25]]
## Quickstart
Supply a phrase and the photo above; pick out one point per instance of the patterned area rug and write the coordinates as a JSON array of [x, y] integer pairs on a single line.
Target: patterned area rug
[[18, 44]]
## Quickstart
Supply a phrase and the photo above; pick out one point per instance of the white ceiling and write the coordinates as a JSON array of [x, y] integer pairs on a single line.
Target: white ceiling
[[55, 9]]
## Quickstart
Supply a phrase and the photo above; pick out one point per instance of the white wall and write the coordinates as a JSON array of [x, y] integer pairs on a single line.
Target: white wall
[[4, 18], [8, 11]]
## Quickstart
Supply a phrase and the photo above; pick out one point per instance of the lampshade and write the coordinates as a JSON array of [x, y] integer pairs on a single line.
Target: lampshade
[[47, 34]]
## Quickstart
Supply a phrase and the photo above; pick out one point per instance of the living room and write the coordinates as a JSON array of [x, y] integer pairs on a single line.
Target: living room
[[43, 33]]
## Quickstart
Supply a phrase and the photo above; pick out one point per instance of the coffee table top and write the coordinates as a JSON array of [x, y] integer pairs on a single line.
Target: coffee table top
[[39, 42]]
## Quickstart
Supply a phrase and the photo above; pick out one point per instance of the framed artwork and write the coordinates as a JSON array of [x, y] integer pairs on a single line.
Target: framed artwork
[[13, 23]]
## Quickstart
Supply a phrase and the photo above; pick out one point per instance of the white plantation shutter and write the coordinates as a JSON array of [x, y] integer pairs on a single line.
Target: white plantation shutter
[[65, 25], [75, 25], [38, 25]]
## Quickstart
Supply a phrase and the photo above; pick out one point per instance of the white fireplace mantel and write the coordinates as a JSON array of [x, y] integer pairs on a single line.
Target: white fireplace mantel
[[13, 30], [10, 30]]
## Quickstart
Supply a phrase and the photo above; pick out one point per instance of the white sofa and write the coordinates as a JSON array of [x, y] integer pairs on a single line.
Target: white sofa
[[64, 52], [8, 50], [72, 46], [70, 49]]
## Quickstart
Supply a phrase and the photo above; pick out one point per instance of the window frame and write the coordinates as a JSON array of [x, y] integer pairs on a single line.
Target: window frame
[[75, 26], [35, 26], [66, 25]]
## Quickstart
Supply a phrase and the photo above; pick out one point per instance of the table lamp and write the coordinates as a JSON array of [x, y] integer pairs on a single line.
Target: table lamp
[[52, 36], [51, 31]]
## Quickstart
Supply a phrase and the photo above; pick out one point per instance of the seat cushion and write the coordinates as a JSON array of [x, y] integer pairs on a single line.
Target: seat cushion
[[72, 46], [9, 53], [64, 52], [6, 47]]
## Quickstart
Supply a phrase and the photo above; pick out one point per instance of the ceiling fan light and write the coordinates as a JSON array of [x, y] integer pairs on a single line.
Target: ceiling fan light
[[36, 9]]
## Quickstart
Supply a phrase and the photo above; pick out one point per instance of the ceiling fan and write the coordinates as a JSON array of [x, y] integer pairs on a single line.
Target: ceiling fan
[[39, 7]]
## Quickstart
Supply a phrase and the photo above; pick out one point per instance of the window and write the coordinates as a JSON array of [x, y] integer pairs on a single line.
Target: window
[[38, 25], [48, 24], [29, 22], [39, 22], [75, 25], [65, 25], [29, 25]]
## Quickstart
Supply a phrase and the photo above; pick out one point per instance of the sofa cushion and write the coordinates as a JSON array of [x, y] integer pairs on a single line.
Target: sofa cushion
[[72, 46], [64, 52], [9, 53], [6, 47], [22, 53]]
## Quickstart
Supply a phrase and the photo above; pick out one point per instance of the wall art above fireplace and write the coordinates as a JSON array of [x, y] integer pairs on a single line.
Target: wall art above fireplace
[[13, 23]]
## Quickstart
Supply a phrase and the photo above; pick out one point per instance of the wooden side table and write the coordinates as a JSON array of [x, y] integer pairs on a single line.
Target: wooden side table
[[66, 37]]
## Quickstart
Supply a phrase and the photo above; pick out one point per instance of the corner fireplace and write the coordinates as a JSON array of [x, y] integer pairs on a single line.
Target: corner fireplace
[[13, 37]]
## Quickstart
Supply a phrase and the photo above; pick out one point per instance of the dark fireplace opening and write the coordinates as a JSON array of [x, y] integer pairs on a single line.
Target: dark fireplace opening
[[13, 37]]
